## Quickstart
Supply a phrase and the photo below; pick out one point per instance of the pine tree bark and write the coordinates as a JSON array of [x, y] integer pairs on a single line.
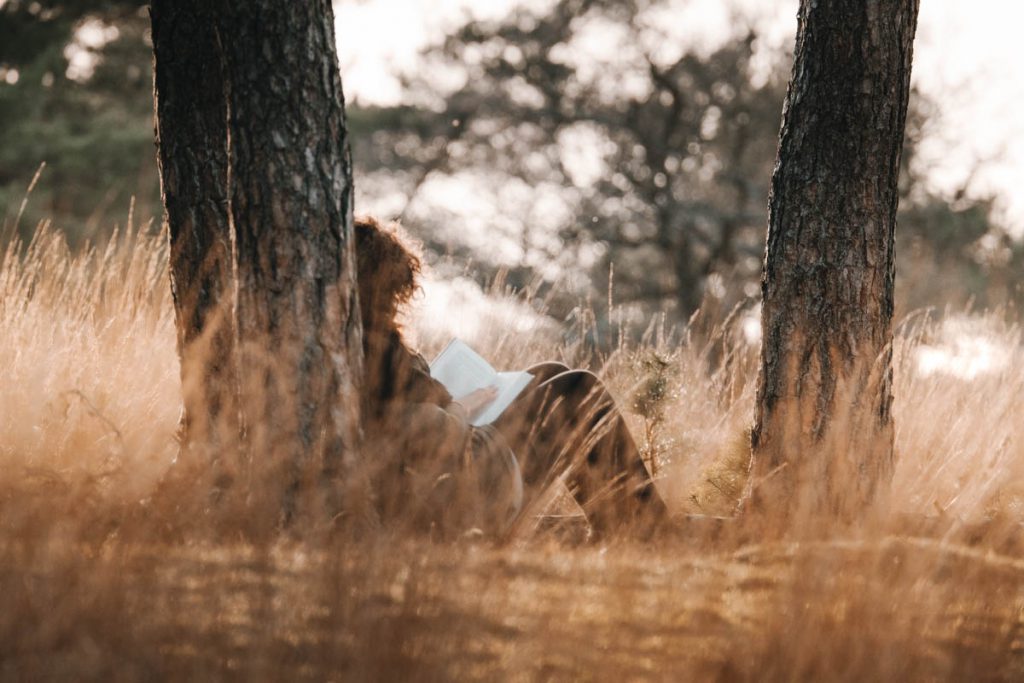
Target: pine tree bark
[[191, 134], [823, 435], [291, 210], [257, 187]]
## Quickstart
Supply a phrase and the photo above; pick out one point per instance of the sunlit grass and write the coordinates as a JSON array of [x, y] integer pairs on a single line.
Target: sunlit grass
[[96, 585]]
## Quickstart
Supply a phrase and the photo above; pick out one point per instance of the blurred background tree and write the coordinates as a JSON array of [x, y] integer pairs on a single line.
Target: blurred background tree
[[555, 145], [658, 164], [76, 92]]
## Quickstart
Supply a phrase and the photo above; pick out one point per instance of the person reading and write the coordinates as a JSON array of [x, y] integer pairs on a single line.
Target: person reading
[[442, 462]]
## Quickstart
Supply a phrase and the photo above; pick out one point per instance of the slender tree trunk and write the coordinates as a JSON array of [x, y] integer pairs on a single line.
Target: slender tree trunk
[[675, 240], [191, 132], [291, 209], [823, 435]]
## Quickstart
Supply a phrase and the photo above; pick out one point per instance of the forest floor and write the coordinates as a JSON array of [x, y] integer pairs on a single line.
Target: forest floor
[[896, 608]]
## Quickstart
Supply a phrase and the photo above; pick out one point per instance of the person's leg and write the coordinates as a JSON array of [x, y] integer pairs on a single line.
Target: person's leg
[[519, 423], [577, 430], [545, 370], [606, 473]]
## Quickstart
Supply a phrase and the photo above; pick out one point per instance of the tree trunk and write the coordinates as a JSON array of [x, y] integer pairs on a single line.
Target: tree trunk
[[291, 209], [823, 435], [191, 132]]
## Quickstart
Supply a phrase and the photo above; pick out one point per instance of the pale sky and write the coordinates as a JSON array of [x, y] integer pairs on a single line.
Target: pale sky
[[966, 55]]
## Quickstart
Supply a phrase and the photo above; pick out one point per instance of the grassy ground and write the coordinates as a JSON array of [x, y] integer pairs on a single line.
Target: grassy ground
[[102, 581]]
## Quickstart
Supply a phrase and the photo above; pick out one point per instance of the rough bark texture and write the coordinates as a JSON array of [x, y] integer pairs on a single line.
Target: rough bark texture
[[823, 435], [291, 213], [191, 132]]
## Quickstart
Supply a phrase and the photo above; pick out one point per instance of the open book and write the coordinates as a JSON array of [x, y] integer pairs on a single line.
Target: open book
[[461, 370]]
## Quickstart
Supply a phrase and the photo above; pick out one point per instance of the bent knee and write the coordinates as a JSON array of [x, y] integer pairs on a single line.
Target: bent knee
[[544, 371], [581, 383]]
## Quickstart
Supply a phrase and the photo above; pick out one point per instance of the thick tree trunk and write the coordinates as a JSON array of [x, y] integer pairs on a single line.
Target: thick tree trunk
[[191, 132], [291, 209], [823, 435]]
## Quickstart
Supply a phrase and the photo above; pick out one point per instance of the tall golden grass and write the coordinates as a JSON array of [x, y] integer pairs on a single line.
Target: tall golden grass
[[99, 582]]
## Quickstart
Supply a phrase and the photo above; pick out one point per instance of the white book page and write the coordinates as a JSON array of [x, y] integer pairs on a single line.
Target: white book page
[[462, 371], [509, 386]]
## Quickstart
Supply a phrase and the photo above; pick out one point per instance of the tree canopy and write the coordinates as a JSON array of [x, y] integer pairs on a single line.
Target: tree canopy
[[655, 160]]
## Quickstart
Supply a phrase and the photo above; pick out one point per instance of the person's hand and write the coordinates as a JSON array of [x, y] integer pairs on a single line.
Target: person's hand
[[476, 401]]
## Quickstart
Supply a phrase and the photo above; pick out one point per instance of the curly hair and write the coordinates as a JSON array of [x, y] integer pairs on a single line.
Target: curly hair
[[388, 266]]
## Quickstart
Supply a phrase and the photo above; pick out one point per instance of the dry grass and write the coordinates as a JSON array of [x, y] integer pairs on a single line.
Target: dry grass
[[100, 581]]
